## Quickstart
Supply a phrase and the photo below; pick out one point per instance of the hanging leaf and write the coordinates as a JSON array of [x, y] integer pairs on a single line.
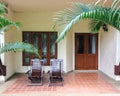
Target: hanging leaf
[[78, 12], [19, 46]]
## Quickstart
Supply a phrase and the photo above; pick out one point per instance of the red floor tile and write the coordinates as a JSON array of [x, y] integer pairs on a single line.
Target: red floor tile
[[73, 83]]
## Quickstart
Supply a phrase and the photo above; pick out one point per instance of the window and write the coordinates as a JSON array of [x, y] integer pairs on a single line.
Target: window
[[44, 41]]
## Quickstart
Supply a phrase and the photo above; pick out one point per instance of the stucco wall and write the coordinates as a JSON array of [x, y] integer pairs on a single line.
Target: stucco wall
[[35, 21], [108, 50], [2, 78], [69, 51], [9, 57], [43, 21], [81, 27], [66, 48], [109, 47], [118, 47], [118, 52], [62, 53]]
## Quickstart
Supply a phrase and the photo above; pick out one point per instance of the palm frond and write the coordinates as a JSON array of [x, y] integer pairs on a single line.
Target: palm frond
[[65, 16], [98, 1], [19, 46], [115, 3], [90, 11], [2, 8], [6, 23], [95, 25]]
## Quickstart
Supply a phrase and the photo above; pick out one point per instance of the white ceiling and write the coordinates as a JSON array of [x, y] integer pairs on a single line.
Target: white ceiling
[[40, 5]]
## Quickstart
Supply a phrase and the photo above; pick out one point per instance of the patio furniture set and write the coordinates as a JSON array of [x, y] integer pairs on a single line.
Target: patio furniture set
[[36, 72]]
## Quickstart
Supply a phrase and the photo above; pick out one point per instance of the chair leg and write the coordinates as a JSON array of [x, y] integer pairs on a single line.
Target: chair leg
[[42, 80], [32, 81], [55, 82], [49, 84]]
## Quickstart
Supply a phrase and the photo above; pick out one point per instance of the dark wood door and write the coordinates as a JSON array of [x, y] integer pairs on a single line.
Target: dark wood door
[[44, 42], [86, 51]]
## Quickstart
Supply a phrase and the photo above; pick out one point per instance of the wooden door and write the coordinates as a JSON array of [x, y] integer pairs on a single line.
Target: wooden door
[[86, 51]]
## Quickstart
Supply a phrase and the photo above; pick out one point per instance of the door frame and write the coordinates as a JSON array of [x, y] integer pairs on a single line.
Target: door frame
[[96, 50]]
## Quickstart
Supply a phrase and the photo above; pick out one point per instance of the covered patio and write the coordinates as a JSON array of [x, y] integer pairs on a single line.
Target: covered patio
[[100, 53], [75, 83]]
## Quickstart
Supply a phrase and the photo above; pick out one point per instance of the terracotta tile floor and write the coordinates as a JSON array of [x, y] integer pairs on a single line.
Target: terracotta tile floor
[[75, 82]]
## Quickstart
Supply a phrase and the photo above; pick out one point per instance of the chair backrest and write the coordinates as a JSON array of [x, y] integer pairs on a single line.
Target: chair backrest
[[56, 67], [36, 67]]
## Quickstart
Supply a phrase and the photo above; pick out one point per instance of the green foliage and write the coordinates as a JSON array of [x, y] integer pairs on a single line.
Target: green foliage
[[95, 25], [98, 15], [14, 46], [2, 8], [6, 23], [19, 46]]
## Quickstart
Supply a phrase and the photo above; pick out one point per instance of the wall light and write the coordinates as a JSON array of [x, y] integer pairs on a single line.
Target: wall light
[[105, 27]]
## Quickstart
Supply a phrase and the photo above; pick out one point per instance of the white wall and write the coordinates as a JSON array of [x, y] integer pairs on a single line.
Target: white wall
[[81, 27], [43, 22], [2, 78], [66, 48], [69, 51], [118, 53], [35, 21], [9, 57], [108, 50], [62, 54], [118, 48], [2, 41]]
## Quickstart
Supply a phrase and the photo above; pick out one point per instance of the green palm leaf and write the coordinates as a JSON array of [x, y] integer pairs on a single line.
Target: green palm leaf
[[95, 25], [93, 12], [19, 46], [15, 46], [6, 23], [115, 3], [2, 8]]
